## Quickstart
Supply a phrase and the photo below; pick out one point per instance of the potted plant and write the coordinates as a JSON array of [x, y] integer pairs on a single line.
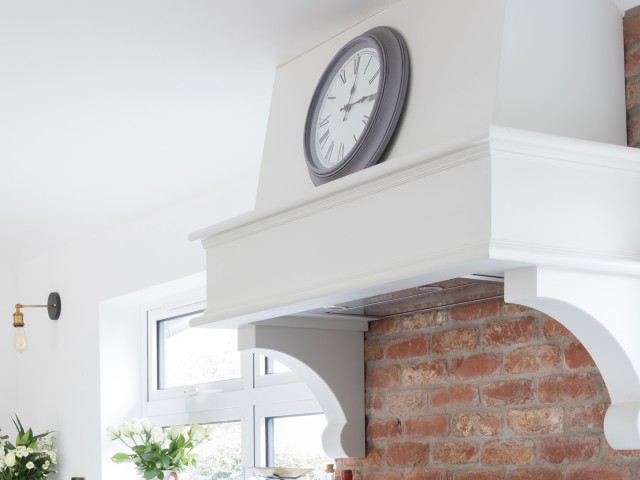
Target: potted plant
[[157, 452], [30, 457]]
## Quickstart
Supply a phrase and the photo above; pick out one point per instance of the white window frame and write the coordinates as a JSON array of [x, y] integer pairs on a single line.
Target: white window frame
[[250, 399]]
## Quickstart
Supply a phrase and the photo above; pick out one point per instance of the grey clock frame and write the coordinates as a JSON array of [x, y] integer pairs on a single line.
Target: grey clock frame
[[392, 93]]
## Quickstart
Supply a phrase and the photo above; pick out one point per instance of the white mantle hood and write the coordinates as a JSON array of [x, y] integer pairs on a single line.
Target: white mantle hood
[[466, 188], [558, 217]]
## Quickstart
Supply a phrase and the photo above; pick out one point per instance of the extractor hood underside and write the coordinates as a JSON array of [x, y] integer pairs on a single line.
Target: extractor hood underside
[[434, 296]]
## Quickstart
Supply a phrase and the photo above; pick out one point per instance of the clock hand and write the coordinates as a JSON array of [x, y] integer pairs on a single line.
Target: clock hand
[[348, 106]]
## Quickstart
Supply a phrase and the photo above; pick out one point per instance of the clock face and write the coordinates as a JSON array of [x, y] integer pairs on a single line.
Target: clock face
[[356, 105], [345, 110]]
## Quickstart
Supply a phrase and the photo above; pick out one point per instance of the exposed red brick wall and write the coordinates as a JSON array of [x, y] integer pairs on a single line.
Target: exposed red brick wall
[[632, 74], [486, 391]]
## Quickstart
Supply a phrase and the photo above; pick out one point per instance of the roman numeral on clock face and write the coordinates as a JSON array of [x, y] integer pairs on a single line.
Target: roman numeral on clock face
[[324, 121], [323, 139]]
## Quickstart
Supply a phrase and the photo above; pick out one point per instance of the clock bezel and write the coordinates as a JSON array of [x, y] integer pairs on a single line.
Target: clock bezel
[[384, 117]]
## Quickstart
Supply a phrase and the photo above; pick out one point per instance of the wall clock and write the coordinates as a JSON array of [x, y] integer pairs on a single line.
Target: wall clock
[[356, 105]]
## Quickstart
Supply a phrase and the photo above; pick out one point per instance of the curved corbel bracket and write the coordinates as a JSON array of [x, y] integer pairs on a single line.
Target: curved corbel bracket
[[331, 362], [603, 311]]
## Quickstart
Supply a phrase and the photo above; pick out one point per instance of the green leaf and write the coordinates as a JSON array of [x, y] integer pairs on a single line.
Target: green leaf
[[121, 458]]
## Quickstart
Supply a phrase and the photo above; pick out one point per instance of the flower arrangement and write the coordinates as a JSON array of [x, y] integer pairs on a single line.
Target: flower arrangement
[[31, 457], [156, 449]]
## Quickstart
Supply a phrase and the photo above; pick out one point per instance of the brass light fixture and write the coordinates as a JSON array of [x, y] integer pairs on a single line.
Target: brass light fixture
[[53, 306]]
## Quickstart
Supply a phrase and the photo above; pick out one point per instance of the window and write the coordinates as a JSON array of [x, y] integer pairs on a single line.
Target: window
[[221, 457], [287, 447], [183, 359], [197, 375]]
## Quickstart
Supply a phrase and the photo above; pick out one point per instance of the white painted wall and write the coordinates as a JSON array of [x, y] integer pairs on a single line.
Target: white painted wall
[[59, 382], [9, 361]]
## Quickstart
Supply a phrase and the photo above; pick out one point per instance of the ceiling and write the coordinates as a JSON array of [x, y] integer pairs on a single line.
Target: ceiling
[[113, 109]]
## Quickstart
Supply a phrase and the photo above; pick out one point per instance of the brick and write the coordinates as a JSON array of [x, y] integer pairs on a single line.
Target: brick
[[510, 332], [476, 424], [535, 358], [382, 327], [454, 453], [567, 388], [430, 474], [407, 455], [407, 348], [374, 458], [476, 366], [553, 329], [632, 61], [382, 476], [622, 454], [480, 475], [633, 129], [535, 474], [407, 401], [514, 309], [373, 350], [427, 426], [597, 472], [631, 26], [454, 395], [632, 90], [576, 356], [384, 429], [590, 417], [515, 392], [373, 401], [532, 421], [422, 320], [569, 450], [475, 311], [383, 377], [462, 339], [424, 373], [507, 452]]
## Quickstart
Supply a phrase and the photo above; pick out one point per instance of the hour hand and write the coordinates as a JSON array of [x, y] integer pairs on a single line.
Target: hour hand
[[348, 106]]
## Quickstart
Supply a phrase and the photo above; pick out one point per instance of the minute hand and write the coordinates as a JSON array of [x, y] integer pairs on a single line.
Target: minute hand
[[348, 106]]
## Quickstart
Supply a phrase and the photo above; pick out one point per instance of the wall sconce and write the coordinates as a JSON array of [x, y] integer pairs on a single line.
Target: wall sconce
[[53, 306]]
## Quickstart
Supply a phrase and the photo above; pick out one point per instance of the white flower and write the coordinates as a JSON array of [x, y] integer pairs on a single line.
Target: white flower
[[210, 429], [146, 424], [136, 426], [125, 428], [46, 464], [197, 432], [30, 465], [10, 458], [113, 431], [21, 451], [157, 435], [176, 430], [53, 457]]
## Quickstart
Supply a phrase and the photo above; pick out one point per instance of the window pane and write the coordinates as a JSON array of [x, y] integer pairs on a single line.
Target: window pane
[[188, 356], [219, 458], [296, 442]]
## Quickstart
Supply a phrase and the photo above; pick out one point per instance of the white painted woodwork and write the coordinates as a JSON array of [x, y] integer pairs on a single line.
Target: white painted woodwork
[[330, 361], [507, 159]]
